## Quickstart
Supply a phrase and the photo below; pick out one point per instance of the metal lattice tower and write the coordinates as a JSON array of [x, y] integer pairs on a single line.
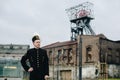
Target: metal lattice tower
[[80, 17]]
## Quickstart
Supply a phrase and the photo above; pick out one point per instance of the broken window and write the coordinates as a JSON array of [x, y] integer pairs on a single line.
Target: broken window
[[88, 53], [65, 56], [70, 55], [59, 55]]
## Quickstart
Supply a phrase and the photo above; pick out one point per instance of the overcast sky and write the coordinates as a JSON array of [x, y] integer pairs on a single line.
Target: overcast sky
[[20, 19]]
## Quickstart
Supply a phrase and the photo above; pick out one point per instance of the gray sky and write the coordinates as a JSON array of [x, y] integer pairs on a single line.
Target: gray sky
[[19, 19]]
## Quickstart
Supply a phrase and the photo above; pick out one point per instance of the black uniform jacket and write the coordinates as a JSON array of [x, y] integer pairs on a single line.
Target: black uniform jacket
[[38, 60]]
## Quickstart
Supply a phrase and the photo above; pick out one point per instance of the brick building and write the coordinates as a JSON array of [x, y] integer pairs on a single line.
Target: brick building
[[100, 58]]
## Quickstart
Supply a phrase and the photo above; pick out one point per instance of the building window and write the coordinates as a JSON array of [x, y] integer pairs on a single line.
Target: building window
[[88, 54], [109, 55], [59, 56], [70, 55], [65, 56], [118, 60], [117, 57], [109, 60], [50, 57], [6, 47]]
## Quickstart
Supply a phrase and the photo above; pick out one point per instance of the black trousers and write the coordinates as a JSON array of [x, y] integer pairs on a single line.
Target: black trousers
[[36, 75]]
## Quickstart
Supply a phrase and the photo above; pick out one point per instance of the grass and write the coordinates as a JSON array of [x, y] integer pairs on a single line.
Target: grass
[[113, 79], [110, 79]]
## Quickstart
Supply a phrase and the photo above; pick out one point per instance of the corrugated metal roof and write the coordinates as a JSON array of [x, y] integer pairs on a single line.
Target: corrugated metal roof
[[13, 49]]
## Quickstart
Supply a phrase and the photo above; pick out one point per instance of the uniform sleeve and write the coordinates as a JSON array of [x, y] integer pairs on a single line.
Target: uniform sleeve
[[24, 61], [46, 64]]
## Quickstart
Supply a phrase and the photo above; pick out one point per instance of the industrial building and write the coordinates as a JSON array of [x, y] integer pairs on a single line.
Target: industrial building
[[10, 66], [100, 58]]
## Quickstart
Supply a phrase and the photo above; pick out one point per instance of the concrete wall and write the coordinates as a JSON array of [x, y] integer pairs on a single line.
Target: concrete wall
[[114, 70]]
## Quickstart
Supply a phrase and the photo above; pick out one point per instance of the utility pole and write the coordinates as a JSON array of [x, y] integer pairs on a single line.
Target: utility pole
[[58, 66], [80, 59], [80, 56]]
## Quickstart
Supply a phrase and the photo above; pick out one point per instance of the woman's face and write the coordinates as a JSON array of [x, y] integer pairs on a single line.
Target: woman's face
[[36, 43]]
